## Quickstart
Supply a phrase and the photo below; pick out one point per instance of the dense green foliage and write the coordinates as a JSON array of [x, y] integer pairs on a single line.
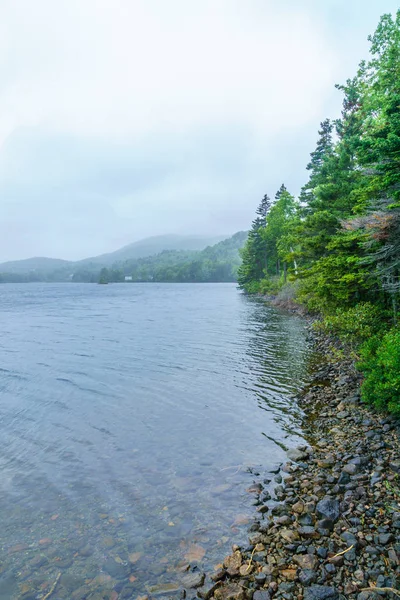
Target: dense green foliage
[[216, 263], [380, 361], [340, 240]]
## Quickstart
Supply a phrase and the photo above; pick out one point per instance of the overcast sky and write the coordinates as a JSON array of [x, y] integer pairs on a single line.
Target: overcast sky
[[121, 119]]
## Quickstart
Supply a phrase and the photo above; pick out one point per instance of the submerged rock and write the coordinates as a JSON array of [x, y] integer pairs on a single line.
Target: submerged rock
[[193, 580]]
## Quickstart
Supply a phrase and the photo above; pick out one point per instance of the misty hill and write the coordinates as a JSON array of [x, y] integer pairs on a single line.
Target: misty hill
[[146, 247], [151, 246], [219, 262], [39, 263]]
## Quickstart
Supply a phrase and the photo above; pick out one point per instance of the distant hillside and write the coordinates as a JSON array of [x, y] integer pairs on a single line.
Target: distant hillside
[[41, 264], [216, 263], [146, 247], [179, 260], [151, 246]]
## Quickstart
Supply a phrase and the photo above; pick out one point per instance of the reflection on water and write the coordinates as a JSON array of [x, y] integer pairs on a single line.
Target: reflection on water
[[131, 418]]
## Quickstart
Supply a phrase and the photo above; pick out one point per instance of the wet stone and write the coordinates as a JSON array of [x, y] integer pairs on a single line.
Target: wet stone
[[349, 538], [163, 589], [81, 593], [38, 561], [321, 592], [296, 455], [126, 593], [64, 563], [233, 563], [330, 568], [395, 466], [325, 524], [298, 507], [218, 575], [305, 519], [261, 595], [193, 580], [344, 478], [18, 548], [284, 520], [116, 570], [327, 508], [260, 578], [86, 550], [308, 532], [385, 538], [307, 577], [231, 591], [367, 595], [306, 561], [351, 469]]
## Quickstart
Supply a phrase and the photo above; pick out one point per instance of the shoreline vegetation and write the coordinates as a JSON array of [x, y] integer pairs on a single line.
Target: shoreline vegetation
[[329, 528], [327, 523], [335, 250]]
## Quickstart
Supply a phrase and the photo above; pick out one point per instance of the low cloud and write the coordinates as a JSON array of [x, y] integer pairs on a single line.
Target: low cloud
[[122, 119]]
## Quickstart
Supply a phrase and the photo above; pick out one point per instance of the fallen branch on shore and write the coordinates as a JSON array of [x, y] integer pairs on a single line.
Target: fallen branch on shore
[[251, 558], [341, 553], [381, 589]]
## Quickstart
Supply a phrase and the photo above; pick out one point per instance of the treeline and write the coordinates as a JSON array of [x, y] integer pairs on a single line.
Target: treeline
[[218, 263], [34, 276], [337, 246]]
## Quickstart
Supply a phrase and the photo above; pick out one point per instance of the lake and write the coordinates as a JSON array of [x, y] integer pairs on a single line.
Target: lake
[[133, 419]]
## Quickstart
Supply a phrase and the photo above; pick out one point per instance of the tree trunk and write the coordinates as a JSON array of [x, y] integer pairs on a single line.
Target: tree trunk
[[294, 262]]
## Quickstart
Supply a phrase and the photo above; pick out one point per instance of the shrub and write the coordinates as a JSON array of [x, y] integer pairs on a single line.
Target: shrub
[[380, 363], [269, 285], [355, 324], [251, 287], [288, 292]]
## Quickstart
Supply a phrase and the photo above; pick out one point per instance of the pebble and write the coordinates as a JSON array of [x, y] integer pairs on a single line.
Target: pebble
[[336, 525]]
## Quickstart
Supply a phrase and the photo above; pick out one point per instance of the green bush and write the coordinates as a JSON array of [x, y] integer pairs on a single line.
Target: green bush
[[251, 287], [269, 286], [380, 363], [355, 324]]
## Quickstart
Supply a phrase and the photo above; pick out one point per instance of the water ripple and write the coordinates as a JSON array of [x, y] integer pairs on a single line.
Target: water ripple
[[148, 403]]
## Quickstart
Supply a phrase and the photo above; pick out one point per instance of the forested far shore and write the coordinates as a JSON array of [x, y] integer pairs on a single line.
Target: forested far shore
[[217, 263], [336, 247]]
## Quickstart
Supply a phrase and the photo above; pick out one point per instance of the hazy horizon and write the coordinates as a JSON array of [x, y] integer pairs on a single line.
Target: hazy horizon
[[121, 121], [187, 235]]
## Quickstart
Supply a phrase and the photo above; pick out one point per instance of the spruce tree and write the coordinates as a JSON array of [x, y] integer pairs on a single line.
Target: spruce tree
[[254, 254]]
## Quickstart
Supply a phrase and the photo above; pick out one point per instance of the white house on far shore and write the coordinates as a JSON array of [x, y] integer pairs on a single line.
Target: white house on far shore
[[128, 277]]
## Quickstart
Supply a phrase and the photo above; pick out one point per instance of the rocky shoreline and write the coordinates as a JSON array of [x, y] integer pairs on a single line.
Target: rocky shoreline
[[330, 528]]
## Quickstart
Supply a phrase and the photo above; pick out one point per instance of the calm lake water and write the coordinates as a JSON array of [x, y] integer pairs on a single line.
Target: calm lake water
[[133, 418]]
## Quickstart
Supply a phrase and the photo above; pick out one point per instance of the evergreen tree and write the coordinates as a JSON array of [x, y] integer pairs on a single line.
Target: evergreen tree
[[280, 221], [380, 155], [317, 164], [254, 254]]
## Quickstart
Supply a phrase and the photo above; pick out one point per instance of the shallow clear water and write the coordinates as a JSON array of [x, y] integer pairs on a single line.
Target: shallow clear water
[[132, 418]]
